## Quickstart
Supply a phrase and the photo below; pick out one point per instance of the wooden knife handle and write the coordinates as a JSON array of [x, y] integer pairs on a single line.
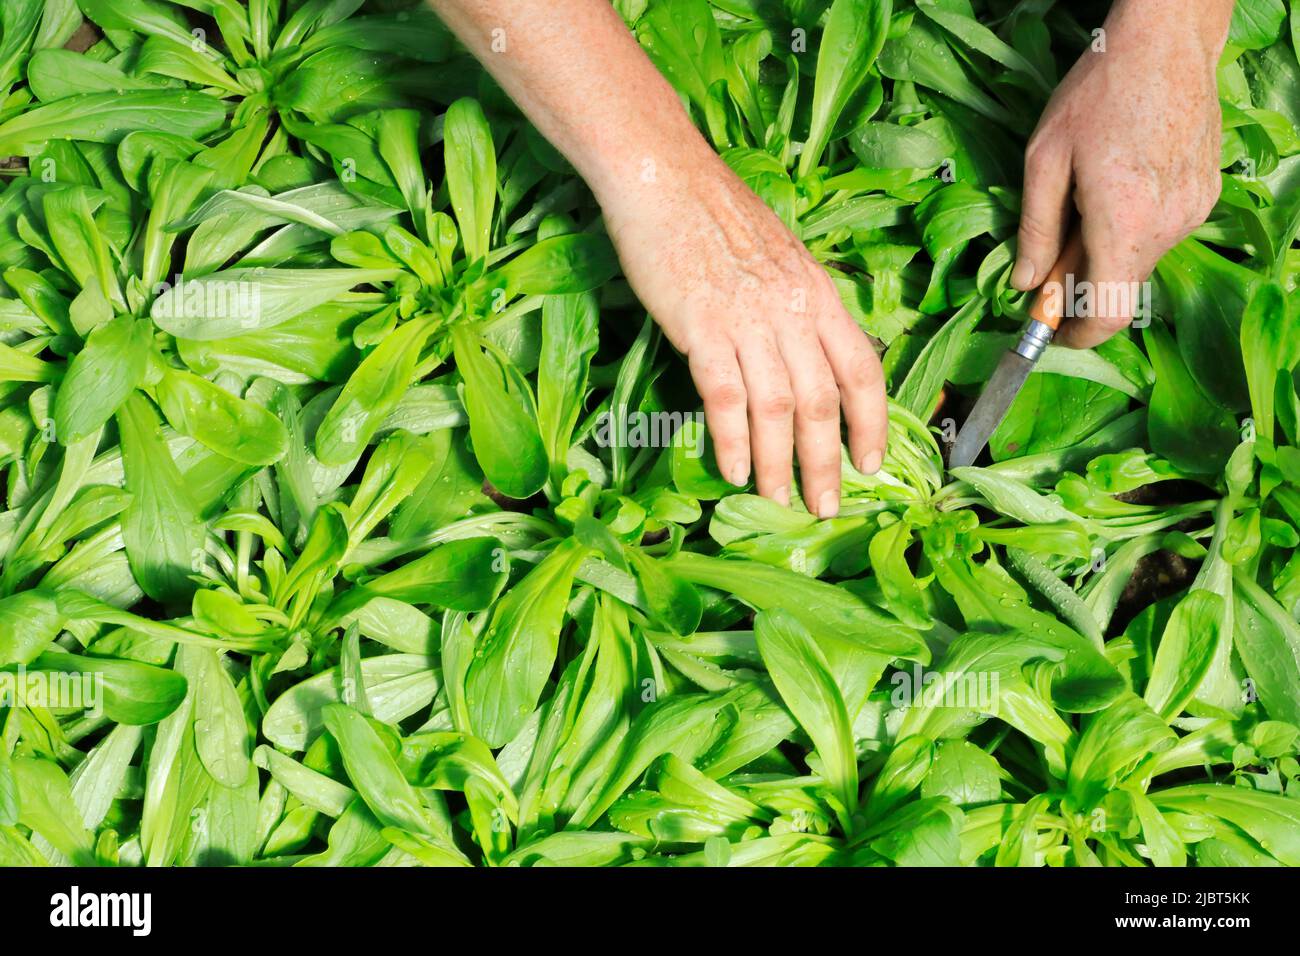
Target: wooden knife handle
[[1049, 304]]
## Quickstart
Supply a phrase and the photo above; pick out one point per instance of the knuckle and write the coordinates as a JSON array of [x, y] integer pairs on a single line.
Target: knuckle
[[723, 394], [777, 404], [1034, 231], [865, 372], [821, 405], [728, 447]]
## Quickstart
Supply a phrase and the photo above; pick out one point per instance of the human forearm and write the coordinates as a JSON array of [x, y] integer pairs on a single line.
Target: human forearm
[[1203, 23], [775, 356], [581, 78]]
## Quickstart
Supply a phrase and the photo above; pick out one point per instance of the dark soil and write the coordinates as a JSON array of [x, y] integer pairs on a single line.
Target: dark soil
[[506, 503], [81, 41], [1157, 576], [1161, 574]]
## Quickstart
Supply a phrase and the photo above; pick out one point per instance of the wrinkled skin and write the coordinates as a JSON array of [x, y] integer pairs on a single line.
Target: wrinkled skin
[[1133, 133], [773, 352], [1129, 146]]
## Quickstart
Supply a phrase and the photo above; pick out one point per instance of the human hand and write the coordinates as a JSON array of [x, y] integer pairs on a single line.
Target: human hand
[[1133, 137], [773, 352]]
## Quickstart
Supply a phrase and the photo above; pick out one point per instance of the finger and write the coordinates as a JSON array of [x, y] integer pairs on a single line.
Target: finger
[[1113, 273], [816, 418], [717, 378], [862, 391], [771, 417], [1044, 215]]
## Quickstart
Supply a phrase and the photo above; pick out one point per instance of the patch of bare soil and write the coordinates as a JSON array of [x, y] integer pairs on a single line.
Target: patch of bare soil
[[1161, 574]]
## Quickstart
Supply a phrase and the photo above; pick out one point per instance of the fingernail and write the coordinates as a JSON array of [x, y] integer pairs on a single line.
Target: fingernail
[[871, 463], [739, 474], [1023, 276], [828, 506], [782, 496]]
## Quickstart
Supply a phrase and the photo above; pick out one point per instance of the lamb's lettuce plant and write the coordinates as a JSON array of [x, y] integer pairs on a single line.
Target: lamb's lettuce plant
[[354, 507]]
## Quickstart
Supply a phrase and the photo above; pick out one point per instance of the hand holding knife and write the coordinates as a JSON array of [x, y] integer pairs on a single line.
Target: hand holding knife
[[1013, 371]]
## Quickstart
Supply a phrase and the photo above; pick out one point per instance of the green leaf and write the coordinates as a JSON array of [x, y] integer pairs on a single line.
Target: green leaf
[[471, 160], [672, 601], [926, 833], [375, 773], [964, 774], [1015, 498], [1054, 412], [515, 655], [1267, 639], [1115, 741], [562, 265], [108, 117], [502, 419], [399, 143], [161, 527], [1268, 346], [452, 485], [683, 725], [855, 32], [569, 340], [1256, 24], [1186, 650], [1185, 426], [460, 575], [857, 639], [227, 424], [46, 806], [682, 38], [371, 393], [397, 686], [1203, 283], [921, 55], [220, 733], [1163, 843], [29, 623], [240, 301], [70, 221], [1271, 820], [133, 693], [802, 675], [920, 391]]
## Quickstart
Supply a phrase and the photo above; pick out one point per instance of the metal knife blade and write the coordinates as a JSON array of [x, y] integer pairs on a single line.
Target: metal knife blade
[[1045, 317], [1002, 389]]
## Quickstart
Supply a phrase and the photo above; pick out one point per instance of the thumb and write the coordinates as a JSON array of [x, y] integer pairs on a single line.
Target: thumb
[[1044, 217]]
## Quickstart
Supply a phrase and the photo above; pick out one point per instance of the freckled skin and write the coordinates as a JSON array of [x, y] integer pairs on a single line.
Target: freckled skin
[[775, 356], [1129, 146]]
